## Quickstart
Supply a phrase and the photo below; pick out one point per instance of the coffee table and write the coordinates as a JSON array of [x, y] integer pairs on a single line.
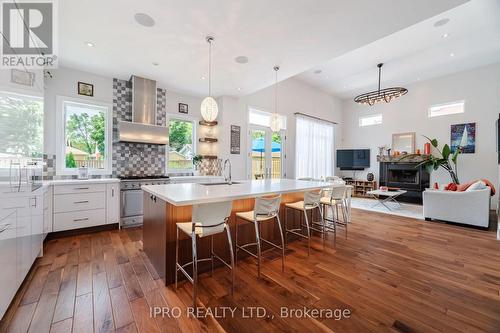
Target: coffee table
[[384, 197]]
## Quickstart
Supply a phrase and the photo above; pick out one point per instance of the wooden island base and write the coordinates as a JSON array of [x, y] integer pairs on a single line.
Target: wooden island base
[[159, 232]]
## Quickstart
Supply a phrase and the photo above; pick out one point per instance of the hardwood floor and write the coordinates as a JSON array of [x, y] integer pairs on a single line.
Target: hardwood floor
[[394, 274]]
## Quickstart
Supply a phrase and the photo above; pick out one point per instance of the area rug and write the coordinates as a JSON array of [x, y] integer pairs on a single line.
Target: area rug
[[407, 210]]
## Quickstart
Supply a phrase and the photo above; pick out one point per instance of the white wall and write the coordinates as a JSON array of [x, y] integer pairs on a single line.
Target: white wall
[[64, 82], [480, 88], [293, 96]]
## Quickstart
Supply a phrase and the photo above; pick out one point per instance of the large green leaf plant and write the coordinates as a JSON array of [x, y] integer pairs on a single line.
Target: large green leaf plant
[[446, 160]]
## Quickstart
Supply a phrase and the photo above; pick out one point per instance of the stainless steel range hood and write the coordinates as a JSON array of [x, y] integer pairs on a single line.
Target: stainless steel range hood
[[143, 127]]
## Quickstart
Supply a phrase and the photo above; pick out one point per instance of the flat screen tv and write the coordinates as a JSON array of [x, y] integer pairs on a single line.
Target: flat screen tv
[[353, 159]]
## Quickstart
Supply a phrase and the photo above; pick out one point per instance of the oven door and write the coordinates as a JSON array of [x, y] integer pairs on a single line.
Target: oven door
[[131, 203]]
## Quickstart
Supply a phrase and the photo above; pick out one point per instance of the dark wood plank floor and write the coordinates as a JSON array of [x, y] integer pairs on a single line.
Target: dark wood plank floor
[[394, 274]]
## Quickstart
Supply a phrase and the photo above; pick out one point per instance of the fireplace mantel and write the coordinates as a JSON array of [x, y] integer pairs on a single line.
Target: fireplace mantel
[[402, 159]]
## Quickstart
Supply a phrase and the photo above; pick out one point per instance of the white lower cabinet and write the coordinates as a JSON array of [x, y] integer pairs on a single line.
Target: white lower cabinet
[[8, 262], [113, 203], [85, 205]]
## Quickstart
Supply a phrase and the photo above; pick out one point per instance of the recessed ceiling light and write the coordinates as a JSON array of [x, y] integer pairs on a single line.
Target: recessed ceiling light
[[202, 78], [89, 44], [318, 71], [241, 59], [144, 19], [441, 22], [418, 79], [445, 35], [452, 54], [239, 89], [155, 63]]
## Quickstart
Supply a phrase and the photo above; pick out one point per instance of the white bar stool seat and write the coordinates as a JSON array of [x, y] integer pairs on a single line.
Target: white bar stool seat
[[265, 209], [207, 220], [311, 201]]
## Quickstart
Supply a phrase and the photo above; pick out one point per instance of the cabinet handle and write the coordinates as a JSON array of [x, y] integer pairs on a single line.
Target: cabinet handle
[[5, 226], [80, 202], [112, 192], [17, 207], [79, 220], [81, 188], [35, 204]]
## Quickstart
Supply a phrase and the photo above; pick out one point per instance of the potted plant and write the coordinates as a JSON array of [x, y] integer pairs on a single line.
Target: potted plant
[[447, 160], [196, 162]]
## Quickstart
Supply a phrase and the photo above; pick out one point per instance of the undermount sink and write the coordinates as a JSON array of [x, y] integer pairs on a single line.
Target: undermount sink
[[220, 183]]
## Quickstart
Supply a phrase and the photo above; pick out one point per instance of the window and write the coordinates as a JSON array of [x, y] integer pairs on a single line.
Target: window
[[263, 118], [21, 125], [84, 136], [313, 148], [370, 120], [182, 145], [446, 109]]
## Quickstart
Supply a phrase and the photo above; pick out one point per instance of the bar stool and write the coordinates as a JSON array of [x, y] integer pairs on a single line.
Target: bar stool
[[265, 209], [311, 201], [335, 197], [207, 220]]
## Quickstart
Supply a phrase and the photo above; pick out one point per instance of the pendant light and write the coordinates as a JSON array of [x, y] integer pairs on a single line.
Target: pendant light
[[386, 94], [209, 107], [275, 122]]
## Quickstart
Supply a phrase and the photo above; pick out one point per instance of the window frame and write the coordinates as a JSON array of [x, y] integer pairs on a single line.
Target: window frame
[[194, 121], [61, 136], [266, 114], [360, 118], [429, 110]]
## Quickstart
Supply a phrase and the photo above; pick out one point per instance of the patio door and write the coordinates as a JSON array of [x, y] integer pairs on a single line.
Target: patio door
[[266, 153]]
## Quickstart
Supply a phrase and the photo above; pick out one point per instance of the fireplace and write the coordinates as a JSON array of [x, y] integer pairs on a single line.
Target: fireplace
[[407, 176]]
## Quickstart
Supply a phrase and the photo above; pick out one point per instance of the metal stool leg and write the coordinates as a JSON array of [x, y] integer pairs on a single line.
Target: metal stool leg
[[282, 244], [334, 228], [232, 258], [236, 240], [212, 253], [308, 233], [257, 237], [344, 217], [195, 268], [176, 256]]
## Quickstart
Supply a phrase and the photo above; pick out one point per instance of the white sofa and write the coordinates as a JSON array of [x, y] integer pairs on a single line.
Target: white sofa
[[469, 207]]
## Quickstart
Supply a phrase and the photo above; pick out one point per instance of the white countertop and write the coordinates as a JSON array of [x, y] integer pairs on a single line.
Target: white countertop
[[82, 181], [191, 193]]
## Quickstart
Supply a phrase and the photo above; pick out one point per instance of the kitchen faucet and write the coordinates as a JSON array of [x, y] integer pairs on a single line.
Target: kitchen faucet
[[227, 179]]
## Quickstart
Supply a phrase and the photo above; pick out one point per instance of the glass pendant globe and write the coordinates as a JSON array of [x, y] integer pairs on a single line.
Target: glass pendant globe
[[275, 122], [209, 109]]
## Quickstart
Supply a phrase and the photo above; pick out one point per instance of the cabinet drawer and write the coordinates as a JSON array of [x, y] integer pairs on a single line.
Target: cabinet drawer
[[79, 188], [20, 204], [79, 201], [81, 219]]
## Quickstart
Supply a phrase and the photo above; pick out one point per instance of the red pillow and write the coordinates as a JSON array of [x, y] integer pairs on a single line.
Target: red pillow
[[451, 187]]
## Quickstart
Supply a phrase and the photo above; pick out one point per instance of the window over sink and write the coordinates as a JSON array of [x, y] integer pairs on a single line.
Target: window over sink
[[84, 131], [182, 144]]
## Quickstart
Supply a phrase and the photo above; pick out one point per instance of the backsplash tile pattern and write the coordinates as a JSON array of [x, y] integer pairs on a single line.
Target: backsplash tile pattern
[[135, 159], [211, 167]]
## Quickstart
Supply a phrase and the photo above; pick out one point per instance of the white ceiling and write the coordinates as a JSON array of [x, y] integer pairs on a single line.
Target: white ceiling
[[297, 35], [416, 53]]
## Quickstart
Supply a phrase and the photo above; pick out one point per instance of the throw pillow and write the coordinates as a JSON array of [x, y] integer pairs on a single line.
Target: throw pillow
[[479, 185]]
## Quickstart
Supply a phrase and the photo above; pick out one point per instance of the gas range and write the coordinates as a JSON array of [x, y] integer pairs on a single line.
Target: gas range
[[132, 197], [135, 182]]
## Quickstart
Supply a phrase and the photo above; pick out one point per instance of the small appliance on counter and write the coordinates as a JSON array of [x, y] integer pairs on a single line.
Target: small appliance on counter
[[83, 172]]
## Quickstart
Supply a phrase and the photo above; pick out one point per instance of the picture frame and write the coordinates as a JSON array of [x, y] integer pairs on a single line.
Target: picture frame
[[85, 89], [463, 137], [183, 108]]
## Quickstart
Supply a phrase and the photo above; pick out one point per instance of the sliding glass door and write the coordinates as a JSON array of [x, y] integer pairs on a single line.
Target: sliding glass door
[[266, 153]]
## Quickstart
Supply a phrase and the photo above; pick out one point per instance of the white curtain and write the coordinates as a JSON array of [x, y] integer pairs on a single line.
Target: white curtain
[[314, 142]]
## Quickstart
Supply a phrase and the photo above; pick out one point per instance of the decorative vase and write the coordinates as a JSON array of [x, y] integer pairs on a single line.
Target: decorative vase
[[427, 148], [370, 177]]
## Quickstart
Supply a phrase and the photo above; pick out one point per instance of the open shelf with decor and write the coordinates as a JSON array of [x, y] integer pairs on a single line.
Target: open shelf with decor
[[361, 187]]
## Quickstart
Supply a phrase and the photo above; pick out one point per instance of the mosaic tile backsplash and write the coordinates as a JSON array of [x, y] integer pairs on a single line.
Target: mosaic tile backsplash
[[136, 159]]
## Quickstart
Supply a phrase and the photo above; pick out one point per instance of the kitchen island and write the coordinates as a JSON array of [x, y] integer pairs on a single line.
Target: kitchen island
[[166, 205]]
